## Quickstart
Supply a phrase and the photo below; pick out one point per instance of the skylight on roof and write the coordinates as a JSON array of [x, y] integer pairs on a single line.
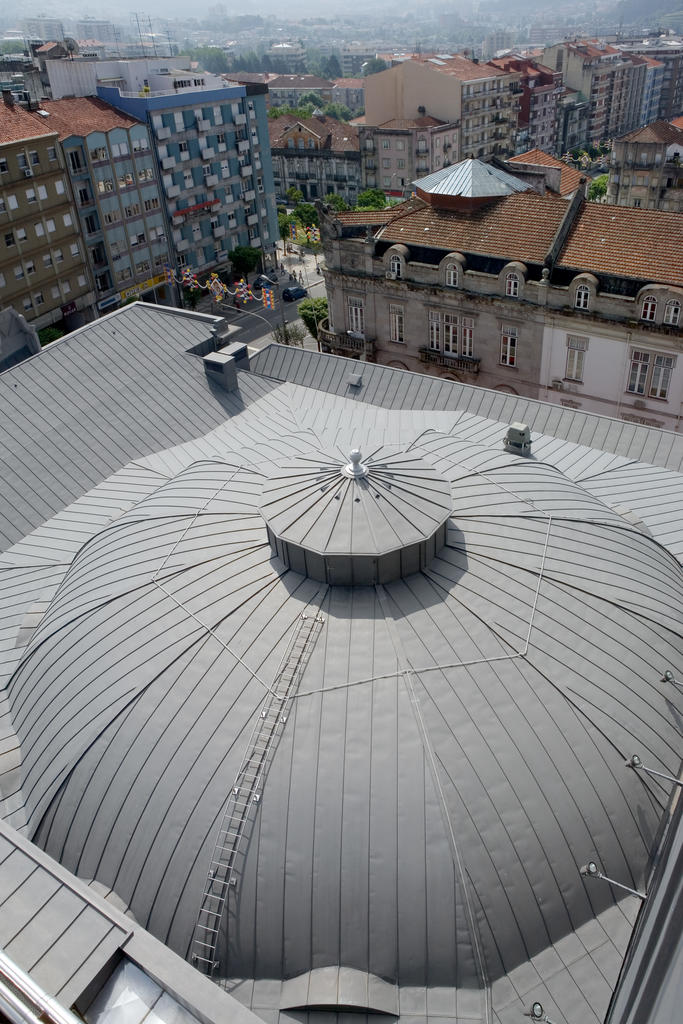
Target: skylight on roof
[[434, 60]]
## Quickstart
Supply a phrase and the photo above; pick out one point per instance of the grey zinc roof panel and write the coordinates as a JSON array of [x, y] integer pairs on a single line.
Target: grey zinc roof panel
[[627, 439], [471, 178]]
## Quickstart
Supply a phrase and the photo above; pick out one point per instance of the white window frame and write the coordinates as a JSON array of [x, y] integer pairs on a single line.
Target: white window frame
[[356, 314], [396, 266], [508, 345], [434, 322], [582, 297], [672, 313], [577, 347], [512, 284], [396, 324], [648, 309], [451, 275]]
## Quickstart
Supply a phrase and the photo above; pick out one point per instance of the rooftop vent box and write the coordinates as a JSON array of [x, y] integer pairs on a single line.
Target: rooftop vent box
[[222, 366], [518, 439], [355, 380]]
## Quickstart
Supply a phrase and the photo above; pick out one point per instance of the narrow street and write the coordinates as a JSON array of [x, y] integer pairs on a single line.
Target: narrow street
[[255, 323]]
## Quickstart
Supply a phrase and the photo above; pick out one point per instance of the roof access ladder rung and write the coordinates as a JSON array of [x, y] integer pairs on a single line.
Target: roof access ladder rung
[[245, 795]]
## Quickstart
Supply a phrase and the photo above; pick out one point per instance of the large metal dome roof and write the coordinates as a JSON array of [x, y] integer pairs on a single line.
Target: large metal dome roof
[[452, 752]]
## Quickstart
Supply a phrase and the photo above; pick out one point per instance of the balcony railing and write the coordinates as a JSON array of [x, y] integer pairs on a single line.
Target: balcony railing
[[344, 342], [467, 363]]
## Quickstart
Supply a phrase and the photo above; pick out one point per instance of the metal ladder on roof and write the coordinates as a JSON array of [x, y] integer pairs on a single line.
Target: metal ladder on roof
[[242, 806]]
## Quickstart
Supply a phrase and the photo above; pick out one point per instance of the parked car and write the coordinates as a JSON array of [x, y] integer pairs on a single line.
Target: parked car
[[293, 293], [262, 280]]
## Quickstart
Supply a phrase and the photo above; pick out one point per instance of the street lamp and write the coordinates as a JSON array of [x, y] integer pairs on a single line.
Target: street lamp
[[635, 762], [591, 870]]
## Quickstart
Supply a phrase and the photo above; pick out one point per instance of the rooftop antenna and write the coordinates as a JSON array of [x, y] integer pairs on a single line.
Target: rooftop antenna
[[152, 37], [170, 45], [142, 48]]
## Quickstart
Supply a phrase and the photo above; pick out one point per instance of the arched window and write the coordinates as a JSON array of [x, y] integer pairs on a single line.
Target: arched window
[[452, 275], [649, 309], [583, 295], [512, 284], [672, 313], [395, 266]]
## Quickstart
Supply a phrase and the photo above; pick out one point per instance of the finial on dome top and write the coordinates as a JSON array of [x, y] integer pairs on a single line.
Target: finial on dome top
[[355, 468]]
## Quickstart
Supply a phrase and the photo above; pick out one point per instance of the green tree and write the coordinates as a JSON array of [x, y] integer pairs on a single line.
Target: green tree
[[48, 334], [371, 199], [289, 334], [11, 46], [338, 111], [191, 297], [306, 214], [294, 195], [598, 188], [283, 221], [244, 259], [331, 68], [336, 202], [312, 98], [313, 312], [372, 66]]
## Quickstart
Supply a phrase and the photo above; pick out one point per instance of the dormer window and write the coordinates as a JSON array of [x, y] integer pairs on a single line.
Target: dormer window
[[395, 266], [672, 313], [582, 298], [452, 275], [649, 308], [512, 285]]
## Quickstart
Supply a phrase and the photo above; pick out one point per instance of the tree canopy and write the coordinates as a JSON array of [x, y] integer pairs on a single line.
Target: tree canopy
[[306, 214], [372, 66], [313, 312], [598, 188], [244, 259], [371, 199], [336, 202]]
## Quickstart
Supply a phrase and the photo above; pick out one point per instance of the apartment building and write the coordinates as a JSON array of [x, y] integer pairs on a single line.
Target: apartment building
[[393, 154], [646, 169], [317, 155], [210, 139], [607, 78], [478, 102], [668, 52], [350, 92], [537, 116], [113, 172], [572, 120], [481, 279], [352, 58], [288, 90], [43, 272]]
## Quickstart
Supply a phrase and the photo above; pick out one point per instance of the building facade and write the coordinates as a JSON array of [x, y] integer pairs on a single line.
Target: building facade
[[646, 168], [113, 173], [393, 154], [210, 141], [537, 117], [607, 78], [668, 52], [43, 271], [350, 92], [480, 100], [288, 90], [514, 291], [317, 155]]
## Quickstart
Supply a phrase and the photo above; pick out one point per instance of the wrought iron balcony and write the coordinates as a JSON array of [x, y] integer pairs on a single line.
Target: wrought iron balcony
[[344, 343], [467, 363]]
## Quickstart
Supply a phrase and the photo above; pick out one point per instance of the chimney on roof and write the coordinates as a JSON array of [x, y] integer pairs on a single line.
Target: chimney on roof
[[221, 367], [7, 97]]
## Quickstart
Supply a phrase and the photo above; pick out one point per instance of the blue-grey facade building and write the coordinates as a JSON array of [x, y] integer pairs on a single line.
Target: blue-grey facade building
[[214, 157]]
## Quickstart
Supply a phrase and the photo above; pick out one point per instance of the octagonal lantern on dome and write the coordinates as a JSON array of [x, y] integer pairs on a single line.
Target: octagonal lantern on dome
[[359, 520]]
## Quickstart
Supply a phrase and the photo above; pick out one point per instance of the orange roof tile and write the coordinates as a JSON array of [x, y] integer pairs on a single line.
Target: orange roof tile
[[350, 83], [334, 135], [625, 242], [16, 124], [677, 122], [570, 178], [656, 131], [519, 226], [81, 115]]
